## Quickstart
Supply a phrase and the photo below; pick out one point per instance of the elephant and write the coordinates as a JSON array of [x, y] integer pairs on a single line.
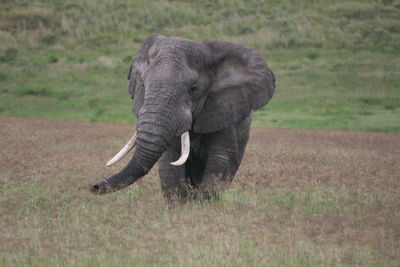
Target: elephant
[[193, 102]]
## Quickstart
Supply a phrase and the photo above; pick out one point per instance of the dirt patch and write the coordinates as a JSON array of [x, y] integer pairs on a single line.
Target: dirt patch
[[282, 157], [287, 157]]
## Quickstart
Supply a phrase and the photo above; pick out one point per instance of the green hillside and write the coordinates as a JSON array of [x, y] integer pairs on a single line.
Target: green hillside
[[337, 63]]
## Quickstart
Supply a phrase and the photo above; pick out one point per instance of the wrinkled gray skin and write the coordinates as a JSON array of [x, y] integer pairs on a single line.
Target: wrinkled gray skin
[[207, 88]]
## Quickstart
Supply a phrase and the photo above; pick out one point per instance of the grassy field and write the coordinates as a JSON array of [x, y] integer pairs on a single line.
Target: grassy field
[[300, 198], [336, 62]]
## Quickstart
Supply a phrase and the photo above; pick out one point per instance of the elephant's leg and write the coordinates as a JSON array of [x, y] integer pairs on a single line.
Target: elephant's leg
[[174, 183], [217, 174], [224, 155]]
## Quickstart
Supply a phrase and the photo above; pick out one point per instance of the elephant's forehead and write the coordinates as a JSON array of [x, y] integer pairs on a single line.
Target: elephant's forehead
[[174, 48], [170, 57], [169, 50]]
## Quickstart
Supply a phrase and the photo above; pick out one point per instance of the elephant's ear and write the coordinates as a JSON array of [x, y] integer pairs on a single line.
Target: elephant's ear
[[241, 82], [137, 71]]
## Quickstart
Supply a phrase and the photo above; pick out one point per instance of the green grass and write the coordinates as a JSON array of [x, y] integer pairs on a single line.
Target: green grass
[[64, 59]]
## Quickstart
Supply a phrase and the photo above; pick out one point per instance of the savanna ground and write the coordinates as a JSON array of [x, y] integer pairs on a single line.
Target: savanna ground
[[301, 197]]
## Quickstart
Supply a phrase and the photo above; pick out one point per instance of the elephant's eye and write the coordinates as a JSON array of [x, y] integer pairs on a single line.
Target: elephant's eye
[[193, 88]]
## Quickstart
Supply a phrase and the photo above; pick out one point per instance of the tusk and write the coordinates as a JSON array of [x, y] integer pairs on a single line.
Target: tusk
[[131, 143], [185, 143]]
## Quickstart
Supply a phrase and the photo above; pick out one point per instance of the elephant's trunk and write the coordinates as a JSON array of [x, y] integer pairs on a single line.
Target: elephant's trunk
[[161, 119], [152, 140]]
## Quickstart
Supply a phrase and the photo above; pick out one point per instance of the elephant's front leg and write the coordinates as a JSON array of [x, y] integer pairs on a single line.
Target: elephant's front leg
[[218, 174], [221, 165], [225, 151], [174, 183]]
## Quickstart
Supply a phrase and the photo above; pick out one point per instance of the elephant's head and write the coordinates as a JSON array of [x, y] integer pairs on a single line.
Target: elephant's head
[[178, 85]]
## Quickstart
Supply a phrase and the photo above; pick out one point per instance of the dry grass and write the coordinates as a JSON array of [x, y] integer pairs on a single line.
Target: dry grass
[[301, 197]]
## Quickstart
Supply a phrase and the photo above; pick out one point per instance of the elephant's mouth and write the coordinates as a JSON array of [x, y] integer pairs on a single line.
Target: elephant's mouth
[[185, 148]]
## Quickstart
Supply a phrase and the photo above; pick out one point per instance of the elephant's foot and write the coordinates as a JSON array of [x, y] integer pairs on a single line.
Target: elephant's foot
[[180, 193], [211, 187]]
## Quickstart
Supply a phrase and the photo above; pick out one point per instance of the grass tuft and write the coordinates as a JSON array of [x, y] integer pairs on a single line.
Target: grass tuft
[[9, 55]]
